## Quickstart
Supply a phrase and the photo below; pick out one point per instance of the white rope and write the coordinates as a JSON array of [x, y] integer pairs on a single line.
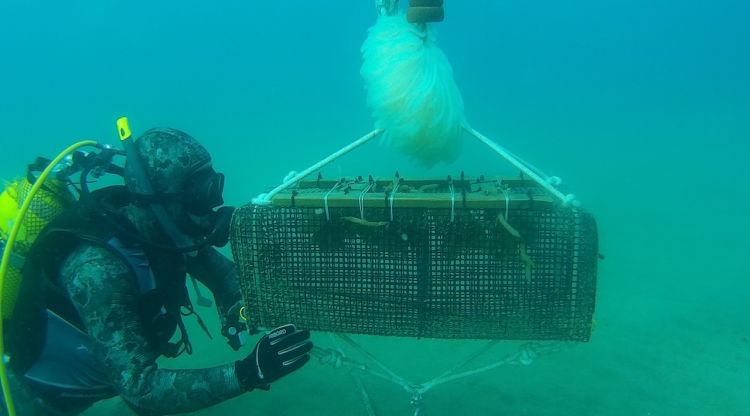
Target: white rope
[[417, 402], [393, 195], [488, 346], [526, 355], [393, 376], [506, 193], [510, 359], [453, 201], [358, 381], [328, 356], [289, 176], [365, 396], [529, 170], [362, 199], [536, 170], [325, 200], [264, 199], [535, 175]]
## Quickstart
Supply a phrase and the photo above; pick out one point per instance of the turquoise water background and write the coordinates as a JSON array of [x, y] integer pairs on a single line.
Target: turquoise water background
[[642, 107]]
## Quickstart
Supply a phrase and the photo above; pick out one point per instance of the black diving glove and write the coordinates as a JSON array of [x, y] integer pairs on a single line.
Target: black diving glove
[[278, 353]]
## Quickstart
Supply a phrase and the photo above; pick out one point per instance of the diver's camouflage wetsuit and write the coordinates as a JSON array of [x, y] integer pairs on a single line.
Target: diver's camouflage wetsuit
[[106, 301], [105, 296]]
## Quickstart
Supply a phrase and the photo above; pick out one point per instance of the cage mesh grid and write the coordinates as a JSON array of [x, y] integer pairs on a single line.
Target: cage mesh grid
[[429, 272]]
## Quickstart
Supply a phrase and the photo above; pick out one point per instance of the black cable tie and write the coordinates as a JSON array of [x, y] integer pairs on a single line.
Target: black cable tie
[[294, 198]]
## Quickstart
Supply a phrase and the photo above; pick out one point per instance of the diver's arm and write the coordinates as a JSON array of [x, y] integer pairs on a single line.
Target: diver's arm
[[106, 297], [219, 274]]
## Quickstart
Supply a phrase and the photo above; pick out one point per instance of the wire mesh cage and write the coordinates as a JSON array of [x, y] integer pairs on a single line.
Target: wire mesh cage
[[439, 258]]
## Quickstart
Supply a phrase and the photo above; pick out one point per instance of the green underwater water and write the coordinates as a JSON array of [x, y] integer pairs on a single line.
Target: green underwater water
[[643, 108]]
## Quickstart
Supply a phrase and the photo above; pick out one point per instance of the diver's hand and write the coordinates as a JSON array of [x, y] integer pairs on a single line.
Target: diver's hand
[[278, 353]]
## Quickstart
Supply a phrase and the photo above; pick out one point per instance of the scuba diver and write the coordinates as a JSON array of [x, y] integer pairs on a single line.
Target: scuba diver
[[104, 294]]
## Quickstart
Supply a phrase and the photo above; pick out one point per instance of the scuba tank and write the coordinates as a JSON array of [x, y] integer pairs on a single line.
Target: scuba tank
[[51, 199]]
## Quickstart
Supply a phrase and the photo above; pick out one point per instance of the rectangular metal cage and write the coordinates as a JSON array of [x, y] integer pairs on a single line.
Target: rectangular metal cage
[[437, 258]]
